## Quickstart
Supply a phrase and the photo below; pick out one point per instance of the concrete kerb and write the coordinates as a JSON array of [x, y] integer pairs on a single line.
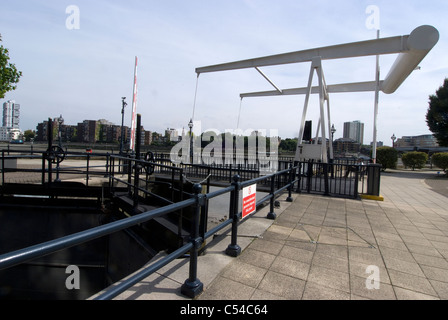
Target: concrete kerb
[[166, 283]]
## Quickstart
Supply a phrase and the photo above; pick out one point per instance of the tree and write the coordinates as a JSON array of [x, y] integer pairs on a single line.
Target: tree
[[9, 76], [414, 159], [29, 134], [437, 115], [440, 160], [387, 156], [288, 144]]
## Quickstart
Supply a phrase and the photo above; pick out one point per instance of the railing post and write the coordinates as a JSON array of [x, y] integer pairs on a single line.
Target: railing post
[[3, 168], [309, 176], [48, 154], [355, 191], [299, 182], [291, 183], [43, 168], [192, 287], [234, 250], [129, 172], [107, 165], [87, 169], [271, 215], [326, 182]]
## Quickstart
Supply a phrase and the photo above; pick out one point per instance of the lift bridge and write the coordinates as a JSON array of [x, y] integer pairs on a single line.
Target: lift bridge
[[114, 214]]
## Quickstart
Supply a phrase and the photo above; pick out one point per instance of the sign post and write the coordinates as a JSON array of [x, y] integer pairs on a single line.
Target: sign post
[[249, 200]]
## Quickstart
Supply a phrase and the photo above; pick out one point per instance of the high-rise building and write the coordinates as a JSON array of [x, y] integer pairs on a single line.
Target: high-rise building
[[354, 130], [11, 114]]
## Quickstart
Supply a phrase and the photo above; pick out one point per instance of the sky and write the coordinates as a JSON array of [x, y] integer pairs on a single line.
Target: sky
[[82, 71]]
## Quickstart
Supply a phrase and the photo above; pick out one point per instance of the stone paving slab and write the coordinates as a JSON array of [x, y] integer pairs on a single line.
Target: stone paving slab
[[321, 248]]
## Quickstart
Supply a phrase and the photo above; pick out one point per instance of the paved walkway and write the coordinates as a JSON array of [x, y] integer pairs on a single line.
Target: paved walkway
[[329, 248]]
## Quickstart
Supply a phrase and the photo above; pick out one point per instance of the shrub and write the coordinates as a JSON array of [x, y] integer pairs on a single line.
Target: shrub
[[440, 160], [414, 159], [387, 156]]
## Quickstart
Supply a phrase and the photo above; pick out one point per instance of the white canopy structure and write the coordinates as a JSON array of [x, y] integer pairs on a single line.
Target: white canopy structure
[[411, 50]]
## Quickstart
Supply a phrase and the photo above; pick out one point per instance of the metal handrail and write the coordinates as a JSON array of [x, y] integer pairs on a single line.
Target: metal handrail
[[192, 286], [20, 256]]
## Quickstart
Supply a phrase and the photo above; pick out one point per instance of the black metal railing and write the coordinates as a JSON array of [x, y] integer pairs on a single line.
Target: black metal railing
[[347, 180], [342, 178], [192, 286], [49, 169]]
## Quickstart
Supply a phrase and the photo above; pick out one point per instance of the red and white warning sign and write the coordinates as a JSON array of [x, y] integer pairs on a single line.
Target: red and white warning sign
[[249, 200]]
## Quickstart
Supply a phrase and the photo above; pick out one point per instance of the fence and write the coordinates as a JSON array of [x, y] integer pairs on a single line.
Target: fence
[[342, 178], [197, 200], [337, 179]]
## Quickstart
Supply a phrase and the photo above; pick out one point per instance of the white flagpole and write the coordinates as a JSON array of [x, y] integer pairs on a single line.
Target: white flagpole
[[134, 108], [377, 93]]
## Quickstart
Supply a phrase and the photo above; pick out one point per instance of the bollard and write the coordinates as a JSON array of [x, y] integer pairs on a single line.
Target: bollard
[[234, 250], [193, 286]]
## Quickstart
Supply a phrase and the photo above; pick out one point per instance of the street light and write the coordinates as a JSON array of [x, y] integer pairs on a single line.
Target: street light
[[393, 140], [124, 104], [333, 130], [60, 122], [190, 125]]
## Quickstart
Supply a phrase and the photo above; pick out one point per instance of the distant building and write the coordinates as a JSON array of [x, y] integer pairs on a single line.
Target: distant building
[[88, 131], [92, 131], [42, 131], [10, 129], [354, 130], [344, 146], [378, 144], [8, 134], [148, 138], [67, 132], [171, 134], [423, 141], [157, 137], [11, 114], [110, 133]]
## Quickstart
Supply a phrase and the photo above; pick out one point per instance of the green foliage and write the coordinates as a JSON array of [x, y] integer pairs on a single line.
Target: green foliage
[[29, 134], [387, 156], [288, 145], [415, 159], [440, 160], [9, 75], [437, 115]]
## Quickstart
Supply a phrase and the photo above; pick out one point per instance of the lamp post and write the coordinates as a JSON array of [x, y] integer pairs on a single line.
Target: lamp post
[[124, 104], [190, 125], [333, 130], [60, 122], [393, 140]]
